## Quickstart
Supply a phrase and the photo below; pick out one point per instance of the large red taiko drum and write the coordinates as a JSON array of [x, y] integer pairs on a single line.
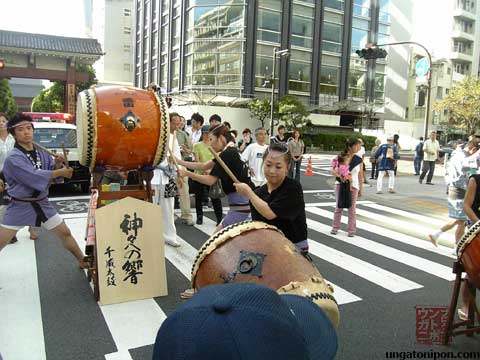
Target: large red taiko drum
[[121, 128]]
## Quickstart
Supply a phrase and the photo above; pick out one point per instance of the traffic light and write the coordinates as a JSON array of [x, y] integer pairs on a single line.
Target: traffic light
[[372, 53], [2, 64]]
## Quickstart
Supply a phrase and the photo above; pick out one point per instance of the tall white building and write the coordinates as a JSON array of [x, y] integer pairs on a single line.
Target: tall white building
[[112, 23]]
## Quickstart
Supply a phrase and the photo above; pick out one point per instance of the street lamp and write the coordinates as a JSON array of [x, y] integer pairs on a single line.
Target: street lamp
[[280, 53]]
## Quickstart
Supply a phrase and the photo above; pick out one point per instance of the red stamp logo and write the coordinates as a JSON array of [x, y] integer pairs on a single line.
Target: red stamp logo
[[431, 324]]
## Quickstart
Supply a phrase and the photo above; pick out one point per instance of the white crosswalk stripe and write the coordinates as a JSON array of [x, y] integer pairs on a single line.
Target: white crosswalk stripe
[[21, 291]]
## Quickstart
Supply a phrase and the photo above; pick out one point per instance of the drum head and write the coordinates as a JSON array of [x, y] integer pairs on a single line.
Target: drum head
[[87, 128]]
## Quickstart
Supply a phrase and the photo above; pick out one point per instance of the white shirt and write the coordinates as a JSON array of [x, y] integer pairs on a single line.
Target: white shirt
[[159, 178], [361, 152], [430, 149], [5, 148], [196, 135], [253, 154]]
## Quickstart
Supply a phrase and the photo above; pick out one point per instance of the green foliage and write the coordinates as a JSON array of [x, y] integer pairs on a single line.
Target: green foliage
[[7, 102], [293, 112], [336, 142], [463, 105], [260, 109], [51, 99]]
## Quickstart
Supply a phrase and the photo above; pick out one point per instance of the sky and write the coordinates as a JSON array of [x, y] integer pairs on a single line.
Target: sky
[[52, 17]]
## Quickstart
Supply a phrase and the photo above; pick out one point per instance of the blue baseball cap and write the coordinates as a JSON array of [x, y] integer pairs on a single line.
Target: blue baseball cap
[[205, 129], [246, 321]]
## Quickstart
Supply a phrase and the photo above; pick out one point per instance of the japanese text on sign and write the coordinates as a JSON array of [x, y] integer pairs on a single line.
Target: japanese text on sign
[[133, 253]]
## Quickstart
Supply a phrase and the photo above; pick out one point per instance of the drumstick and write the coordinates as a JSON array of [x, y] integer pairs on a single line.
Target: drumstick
[[223, 165], [51, 153], [64, 154]]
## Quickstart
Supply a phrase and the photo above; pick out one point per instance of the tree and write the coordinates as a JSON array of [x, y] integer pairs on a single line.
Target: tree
[[51, 99], [292, 111], [260, 109], [7, 101], [463, 105]]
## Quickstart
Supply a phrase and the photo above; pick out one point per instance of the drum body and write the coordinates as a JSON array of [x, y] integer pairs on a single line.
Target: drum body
[[468, 251], [121, 128], [257, 252]]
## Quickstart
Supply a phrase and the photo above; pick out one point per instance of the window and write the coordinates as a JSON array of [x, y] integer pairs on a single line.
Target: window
[[439, 92], [335, 4], [127, 67], [126, 48], [127, 30], [332, 37], [127, 12]]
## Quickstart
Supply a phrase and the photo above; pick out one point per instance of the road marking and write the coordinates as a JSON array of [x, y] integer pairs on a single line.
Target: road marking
[[21, 325], [408, 214], [388, 252], [363, 269], [80, 197], [393, 235], [403, 224], [317, 191], [73, 216], [341, 295], [331, 203]]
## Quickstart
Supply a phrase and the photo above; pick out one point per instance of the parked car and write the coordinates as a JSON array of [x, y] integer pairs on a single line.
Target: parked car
[[448, 148], [51, 135]]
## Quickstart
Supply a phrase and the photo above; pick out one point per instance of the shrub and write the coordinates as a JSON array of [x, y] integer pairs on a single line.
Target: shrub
[[336, 142]]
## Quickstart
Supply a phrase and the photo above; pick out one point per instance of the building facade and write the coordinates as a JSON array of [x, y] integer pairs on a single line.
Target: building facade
[[226, 47], [112, 23]]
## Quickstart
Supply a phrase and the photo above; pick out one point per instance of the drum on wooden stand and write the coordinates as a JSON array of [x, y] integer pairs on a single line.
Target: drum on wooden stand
[[468, 252], [121, 128], [254, 251]]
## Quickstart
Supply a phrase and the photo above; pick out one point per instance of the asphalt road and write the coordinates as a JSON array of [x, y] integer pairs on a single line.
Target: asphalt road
[[380, 277]]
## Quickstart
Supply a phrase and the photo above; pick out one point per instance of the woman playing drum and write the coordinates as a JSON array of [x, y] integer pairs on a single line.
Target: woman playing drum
[[280, 201], [221, 140], [471, 206]]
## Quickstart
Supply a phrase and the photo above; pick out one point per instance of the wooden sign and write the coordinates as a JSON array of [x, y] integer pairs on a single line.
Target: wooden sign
[[71, 98], [130, 251]]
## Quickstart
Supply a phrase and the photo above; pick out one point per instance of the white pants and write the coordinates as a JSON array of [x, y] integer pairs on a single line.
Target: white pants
[[391, 179], [184, 199], [168, 221]]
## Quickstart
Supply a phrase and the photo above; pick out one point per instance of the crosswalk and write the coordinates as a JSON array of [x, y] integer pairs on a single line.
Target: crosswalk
[[388, 255]]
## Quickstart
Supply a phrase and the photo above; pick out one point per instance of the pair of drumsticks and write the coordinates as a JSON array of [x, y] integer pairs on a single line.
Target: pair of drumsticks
[[51, 153], [215, 155]]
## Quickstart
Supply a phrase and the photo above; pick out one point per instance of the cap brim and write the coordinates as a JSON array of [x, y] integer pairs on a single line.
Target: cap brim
[[319, 332]]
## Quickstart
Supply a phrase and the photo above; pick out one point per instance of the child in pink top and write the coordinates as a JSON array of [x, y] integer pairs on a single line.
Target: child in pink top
[[342, 168]]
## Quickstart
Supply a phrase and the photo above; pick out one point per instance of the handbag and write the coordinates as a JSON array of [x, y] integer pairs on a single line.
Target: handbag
[[171, 189], [390, 154], [344, 196], [216, 190]]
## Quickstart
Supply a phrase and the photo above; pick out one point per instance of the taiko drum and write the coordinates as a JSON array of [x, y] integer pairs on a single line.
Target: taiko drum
[[468, 252], [121, 128]]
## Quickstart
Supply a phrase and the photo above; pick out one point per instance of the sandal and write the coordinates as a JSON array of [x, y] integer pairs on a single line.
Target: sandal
[[187, 294], [33, 236], [462, 315]]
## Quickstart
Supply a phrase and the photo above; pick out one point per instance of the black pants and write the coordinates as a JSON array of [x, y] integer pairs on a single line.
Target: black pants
[[374, 173], [428, 166], [199, 191]]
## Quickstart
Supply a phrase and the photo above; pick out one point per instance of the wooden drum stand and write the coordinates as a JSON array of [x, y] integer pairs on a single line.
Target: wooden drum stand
[[142, 191], [468, 326]]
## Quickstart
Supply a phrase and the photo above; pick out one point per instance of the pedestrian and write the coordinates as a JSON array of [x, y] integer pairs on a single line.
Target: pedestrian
[[457, 174], [397, 146], [361, 154], [185, 144], [386, 156], [228, 125], [471, 208], [430, 151], [280, 201], [28, 172], [164, 185], [215, 120], [203, 155], [281, 137], [296, 148], [197, 123], [246, 321], [373, 161], [418, 158], [222, 141], [253, 156], [348, 155], [246, 141]]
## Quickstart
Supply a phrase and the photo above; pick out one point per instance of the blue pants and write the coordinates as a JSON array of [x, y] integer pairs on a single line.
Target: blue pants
[[417, 164]]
